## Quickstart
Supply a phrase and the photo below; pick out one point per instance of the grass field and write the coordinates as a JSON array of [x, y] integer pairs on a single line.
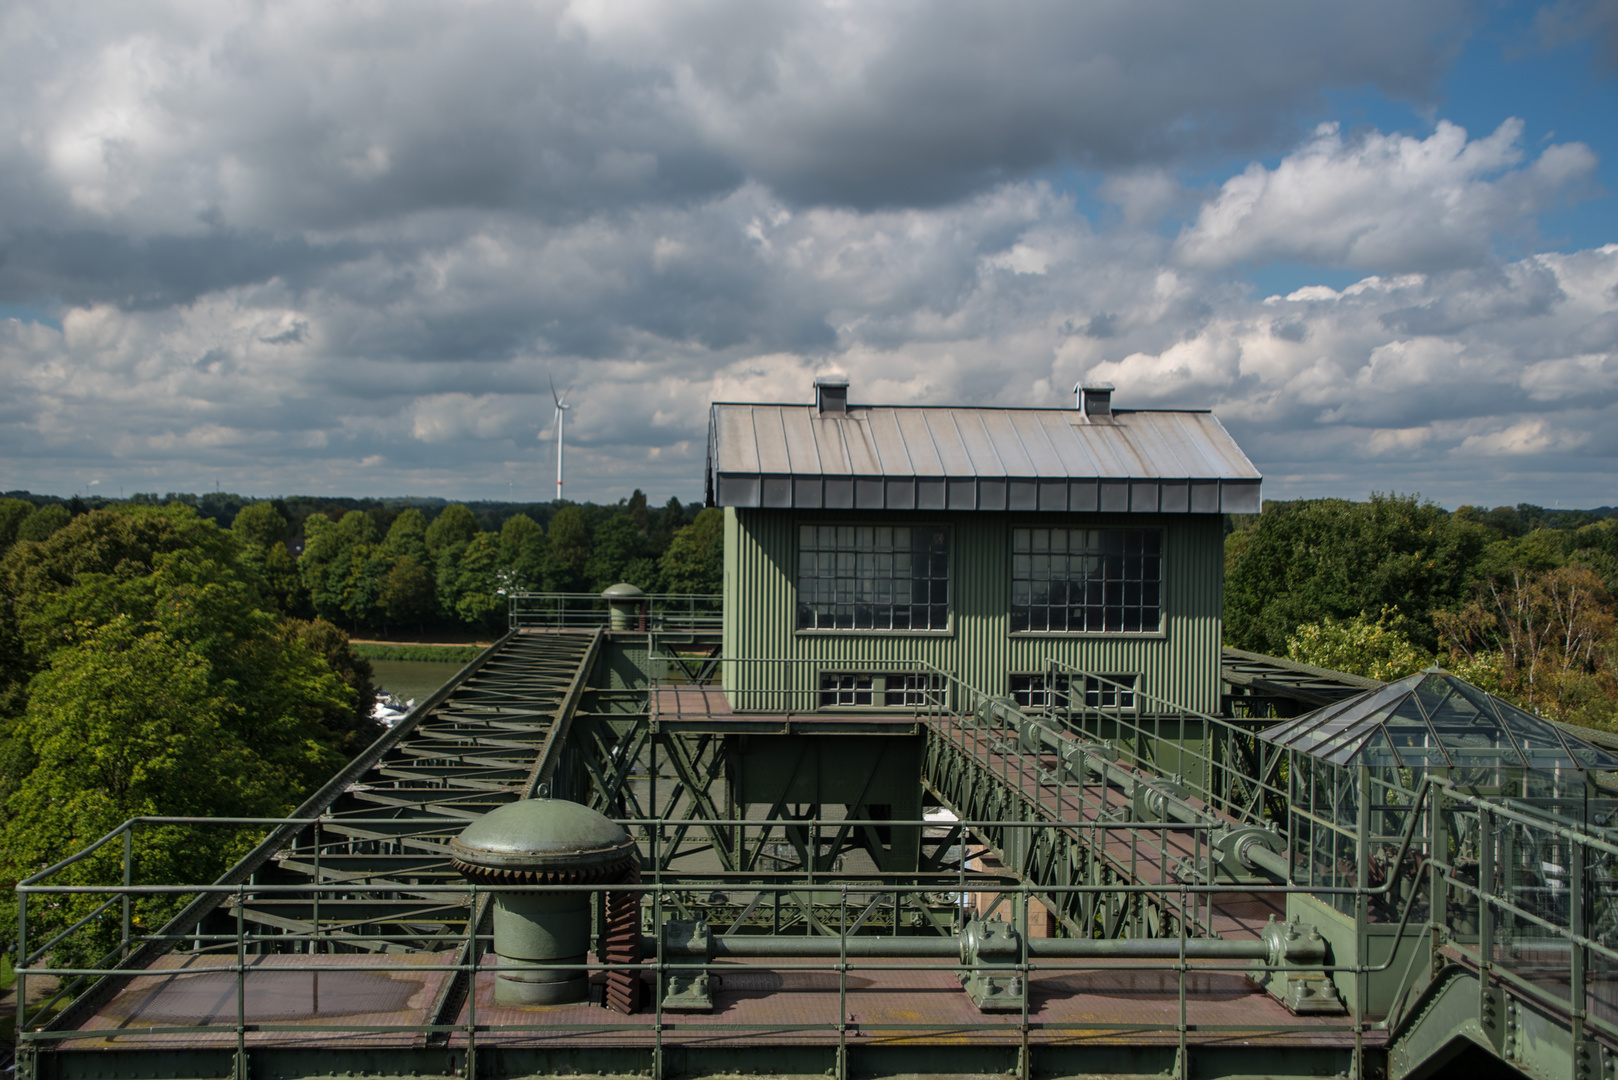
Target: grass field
[[455, 654]]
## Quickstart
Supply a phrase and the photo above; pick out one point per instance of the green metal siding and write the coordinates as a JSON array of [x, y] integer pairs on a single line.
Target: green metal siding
[[1180, 663]]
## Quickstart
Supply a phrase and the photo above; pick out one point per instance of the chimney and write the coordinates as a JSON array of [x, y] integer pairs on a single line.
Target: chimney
[[1094, 400], [831, 394]]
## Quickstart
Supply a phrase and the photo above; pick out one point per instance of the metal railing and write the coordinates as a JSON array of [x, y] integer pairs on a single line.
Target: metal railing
[[254, 957], [1223, 765], [668, 612], [1519, 895]]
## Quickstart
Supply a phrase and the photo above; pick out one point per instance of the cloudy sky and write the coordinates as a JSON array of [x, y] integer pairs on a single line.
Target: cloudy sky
[[296, 246]]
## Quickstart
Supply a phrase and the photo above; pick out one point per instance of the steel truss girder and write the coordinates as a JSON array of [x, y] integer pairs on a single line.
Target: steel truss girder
[[1056, 854]]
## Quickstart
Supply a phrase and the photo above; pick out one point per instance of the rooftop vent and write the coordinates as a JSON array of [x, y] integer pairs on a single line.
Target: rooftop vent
[[1095, 399], [831, 393]]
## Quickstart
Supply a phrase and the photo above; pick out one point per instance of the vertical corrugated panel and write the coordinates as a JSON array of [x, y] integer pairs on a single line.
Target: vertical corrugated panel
[[1180, 665]]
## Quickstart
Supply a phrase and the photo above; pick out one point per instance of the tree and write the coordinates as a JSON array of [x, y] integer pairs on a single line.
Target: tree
[[167, 571], [262, 530], [695, 559], [408, 536], [124, 723], [157, 682], [43, 522], [666, 522], [109, 563], [477, 598], [522, 554], [618, 553], [1549, 635], [332, 645], [13, 512], [407, 593], [569, 551], [455, 525], [322, 543], [260, 526], [1307, 561], [356, 577], [1377, 649], [337, 567], [638, 513]]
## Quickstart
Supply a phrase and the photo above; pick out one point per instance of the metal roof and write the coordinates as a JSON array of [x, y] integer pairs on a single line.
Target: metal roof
[[925, 458], [1435, 720], [1274, 676]]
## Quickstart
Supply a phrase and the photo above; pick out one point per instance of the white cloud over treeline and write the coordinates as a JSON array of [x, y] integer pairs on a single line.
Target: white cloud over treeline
[[344, 247]]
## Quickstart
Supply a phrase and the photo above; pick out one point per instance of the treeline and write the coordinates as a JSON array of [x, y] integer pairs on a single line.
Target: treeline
[[1519, 600], [423, 567]]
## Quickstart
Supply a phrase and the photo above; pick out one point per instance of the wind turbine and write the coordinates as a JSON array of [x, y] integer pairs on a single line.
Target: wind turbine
[[561, 419]]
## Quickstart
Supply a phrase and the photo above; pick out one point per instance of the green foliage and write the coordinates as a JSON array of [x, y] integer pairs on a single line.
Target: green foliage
[[407, 536], [43, 522], [13, 512], [1305, 562], [282, 584], [619, 553], [695, 560], [469, 583], [125, 724], [523, 546], [407, 593], [358, 729], [569, 552], [1377, 649], [139, 562], [1547, 639], [456, 524], [146, 675], [262, 530], [261, 526]]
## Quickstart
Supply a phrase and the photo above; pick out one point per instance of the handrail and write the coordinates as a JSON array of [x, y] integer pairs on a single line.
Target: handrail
[[580, 610]]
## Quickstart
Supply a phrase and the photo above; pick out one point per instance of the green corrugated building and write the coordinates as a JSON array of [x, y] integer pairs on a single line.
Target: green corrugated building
[[983, 541]]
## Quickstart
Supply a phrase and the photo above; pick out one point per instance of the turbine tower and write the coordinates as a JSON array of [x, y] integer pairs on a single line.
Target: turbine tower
[[561, 419]]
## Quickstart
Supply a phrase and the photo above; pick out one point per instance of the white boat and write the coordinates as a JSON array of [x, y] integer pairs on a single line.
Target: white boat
[[389, 710]]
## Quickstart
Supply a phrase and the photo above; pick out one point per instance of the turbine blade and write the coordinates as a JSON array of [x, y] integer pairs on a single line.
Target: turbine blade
[[553, 391]]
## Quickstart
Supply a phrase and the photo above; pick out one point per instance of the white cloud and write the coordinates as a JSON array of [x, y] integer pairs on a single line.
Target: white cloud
[[289, 242], [1388, 202]]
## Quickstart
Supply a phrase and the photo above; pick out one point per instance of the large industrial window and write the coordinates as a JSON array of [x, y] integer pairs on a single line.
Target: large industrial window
[[873, 577], [1086, 580]]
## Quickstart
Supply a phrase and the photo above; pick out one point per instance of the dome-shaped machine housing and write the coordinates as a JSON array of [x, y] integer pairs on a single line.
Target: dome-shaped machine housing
[[543, 842]]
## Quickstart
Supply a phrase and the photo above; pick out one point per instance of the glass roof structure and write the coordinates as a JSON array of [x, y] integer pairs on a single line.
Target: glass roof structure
[[1433, 720]]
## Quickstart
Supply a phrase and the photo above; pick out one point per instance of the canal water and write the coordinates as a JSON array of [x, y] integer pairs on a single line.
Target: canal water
[[412, 679]]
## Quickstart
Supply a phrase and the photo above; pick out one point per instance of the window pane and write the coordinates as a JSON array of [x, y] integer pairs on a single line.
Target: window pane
[[869, 577], [1086, 580]]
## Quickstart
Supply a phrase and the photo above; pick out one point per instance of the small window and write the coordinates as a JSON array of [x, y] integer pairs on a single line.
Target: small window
[[890, 690], [912, 691], [1110, 692], [1086, 580], [873, 577], [1038, 691], [1100, 692], [846, 690]]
